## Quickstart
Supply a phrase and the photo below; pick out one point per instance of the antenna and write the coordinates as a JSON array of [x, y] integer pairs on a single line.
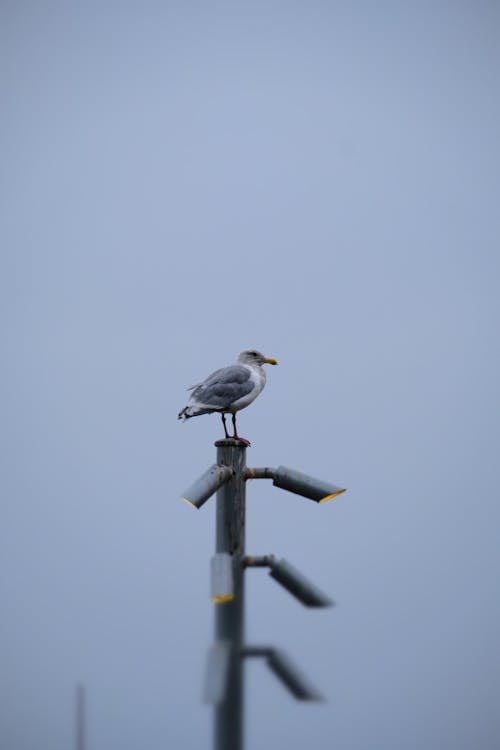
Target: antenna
[[80, 717]]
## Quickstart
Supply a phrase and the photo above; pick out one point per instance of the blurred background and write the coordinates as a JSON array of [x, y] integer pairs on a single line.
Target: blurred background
[[319, 181]]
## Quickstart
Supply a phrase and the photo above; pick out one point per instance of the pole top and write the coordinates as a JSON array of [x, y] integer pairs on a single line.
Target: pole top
[[229, 443]]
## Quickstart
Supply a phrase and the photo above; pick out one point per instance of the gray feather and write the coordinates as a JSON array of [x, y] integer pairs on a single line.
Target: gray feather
[[223, 387]]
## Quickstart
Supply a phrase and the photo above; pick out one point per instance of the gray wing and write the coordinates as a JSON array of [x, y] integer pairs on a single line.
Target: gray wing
[[223, 387]]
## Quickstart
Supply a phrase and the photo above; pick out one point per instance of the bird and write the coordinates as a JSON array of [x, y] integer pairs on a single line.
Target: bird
[[229, 389]]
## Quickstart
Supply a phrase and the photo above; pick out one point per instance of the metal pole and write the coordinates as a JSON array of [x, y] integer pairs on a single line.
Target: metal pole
[[230, 538], [80, 717]]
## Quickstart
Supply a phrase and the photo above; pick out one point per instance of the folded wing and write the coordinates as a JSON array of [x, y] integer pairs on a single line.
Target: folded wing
[[223, 387]]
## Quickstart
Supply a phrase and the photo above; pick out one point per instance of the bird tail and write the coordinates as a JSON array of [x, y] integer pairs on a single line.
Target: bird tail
[[193, 411]]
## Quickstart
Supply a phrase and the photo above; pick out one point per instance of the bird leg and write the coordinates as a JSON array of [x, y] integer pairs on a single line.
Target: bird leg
[[236, 436], [224, 423]]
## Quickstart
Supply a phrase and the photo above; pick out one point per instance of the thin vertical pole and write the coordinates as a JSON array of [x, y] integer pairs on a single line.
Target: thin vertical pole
[[230, 538], [80, 717]]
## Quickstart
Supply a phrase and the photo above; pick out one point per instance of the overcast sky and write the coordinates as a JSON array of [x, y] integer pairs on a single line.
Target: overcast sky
[[317, 180]]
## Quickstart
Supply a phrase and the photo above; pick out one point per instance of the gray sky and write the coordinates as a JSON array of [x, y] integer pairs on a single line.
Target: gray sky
[[317, 180]]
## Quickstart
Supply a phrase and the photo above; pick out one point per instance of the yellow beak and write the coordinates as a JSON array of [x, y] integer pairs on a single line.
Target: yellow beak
[[270, 361]]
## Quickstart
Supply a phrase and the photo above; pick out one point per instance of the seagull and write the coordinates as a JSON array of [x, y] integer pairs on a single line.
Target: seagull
[[229, 389]]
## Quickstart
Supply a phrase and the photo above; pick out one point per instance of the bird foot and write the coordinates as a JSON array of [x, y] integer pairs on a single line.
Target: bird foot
[[242, 440]]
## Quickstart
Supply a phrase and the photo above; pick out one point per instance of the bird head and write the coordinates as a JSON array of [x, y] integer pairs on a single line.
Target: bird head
[[253, 357]]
